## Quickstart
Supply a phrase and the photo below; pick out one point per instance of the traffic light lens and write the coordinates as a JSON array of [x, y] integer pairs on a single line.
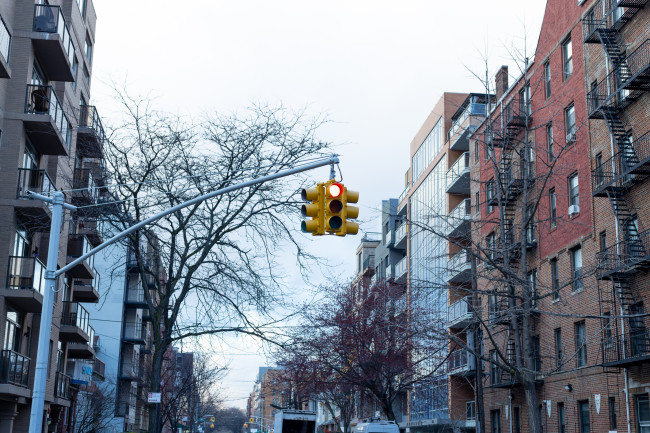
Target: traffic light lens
[[335, 206], [335, 222], [335, 190]]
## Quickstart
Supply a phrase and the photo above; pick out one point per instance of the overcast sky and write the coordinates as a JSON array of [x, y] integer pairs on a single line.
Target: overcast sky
[[375, 68]]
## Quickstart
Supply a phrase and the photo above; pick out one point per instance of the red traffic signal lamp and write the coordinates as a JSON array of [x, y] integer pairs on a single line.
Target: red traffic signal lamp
[[333, 206]]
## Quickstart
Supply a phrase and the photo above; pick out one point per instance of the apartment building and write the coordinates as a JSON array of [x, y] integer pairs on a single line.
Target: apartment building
[[50, 139], [558, 273]]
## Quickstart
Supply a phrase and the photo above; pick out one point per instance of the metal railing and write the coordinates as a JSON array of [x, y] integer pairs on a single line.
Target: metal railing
[[459, 168], [74, 314], [36, 180], [624, 254], [400, 232], [458, 359], [458, 262], [62, 385], [5, 39], [89, 118], [629, 346], [85, 182], [134, 331], [404, 193], [389, 237], [368, 263], [639, 59], [27, 273], [472, 109], [43, 100], [459, 309], [135, 294], [50, 19], [14, 368]]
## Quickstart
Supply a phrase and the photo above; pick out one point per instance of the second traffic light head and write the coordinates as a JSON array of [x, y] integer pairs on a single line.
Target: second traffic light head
[[333, 206]]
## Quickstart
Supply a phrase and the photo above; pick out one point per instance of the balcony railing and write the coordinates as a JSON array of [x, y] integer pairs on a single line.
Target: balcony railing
[[5, 40], [89, 118], [457, 171], [459, 265], [74, 314], [627, 349], [625, 256], [49, 19], [85, 185], [400, 232], [134, 331], [459, 310], [62, 385], [78, 245], [368, 263], [459, 360], [43, 100], [14, 368], [461, 214], [404, 193], [401, 267], [26, 273], [36, 180]]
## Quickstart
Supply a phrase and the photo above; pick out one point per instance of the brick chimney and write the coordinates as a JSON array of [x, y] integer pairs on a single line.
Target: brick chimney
[[501, 82]]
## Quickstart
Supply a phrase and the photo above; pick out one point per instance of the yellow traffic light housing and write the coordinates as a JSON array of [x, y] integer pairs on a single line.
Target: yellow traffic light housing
[[349, 227], [333, 206], [251, 419], [315, 210]]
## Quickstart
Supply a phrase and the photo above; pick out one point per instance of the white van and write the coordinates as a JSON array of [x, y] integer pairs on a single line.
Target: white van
[[376, 426]]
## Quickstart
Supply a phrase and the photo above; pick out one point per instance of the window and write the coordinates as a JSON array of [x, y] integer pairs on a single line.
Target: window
[[549, 142], [491, 245], [576, 268], [495, 374], [583, 416], [547, 80], [574, 198], [558, 348], [490, 192], [552, 206], [495, 417], [477, 201], [537, 354], [516, 417], [561, 422], [531, 238], [476, 150], [470, 410], [524, 101], [567, 58], [86, 75], [638, 337], [581, 343], [75, 69], [13, 332], [570, 124], [600, 177], [643, 411], [555, 280], [612, 414], [529, 162], [82, 7], [88, 49]]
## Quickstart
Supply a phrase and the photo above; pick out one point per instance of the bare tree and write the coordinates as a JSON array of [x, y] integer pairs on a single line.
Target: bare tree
[[94, 408], [214, 267]]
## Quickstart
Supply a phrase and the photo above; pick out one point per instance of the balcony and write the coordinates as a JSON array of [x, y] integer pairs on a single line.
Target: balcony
[[135, 297], [134, 333], [152, 281], [128, 370], [52, 43], [14, 374], [459, 267], [92, 228], [458, 176], [90, 135], [78, 245], [46, 124], [400, 236], [628, 349], [99, 369], [464, 125], [601, 19], [460, 363], [62, 386], [625, 257], [86, 290], [37, 181], [75, 323], [459, 221], [389, 238], [498, 309], [81, 350], [512, 179], [5, 47], [25, 283], [401, 269], [459, 314], [368, 266], [86, 190]]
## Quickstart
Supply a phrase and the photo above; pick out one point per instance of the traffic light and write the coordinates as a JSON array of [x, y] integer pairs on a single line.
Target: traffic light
[[251, 419], [316, 225], [211, 419], [333, 206], [349, 227]]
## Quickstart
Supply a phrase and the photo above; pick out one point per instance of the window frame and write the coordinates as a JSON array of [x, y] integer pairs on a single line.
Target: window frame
[[555, 279], [580, 329], [574, 190], [552, 207], [550, 143], [576, 268], [584, 427], [567, 58], [570, 124], [547, 79], [559, 353]]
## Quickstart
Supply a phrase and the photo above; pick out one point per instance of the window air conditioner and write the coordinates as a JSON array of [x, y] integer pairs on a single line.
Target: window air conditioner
[[574, 209]]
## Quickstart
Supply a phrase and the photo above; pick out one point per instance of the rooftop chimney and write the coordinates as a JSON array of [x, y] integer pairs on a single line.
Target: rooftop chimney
[[501, 82]]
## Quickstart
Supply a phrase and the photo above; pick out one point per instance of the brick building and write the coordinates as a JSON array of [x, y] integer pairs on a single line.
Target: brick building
[[51, 139]]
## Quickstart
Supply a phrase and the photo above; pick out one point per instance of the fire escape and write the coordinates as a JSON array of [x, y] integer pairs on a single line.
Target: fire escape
[[608, 99]]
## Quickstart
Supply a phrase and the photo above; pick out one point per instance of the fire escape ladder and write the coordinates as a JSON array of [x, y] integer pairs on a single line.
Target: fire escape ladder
[[615, 49]]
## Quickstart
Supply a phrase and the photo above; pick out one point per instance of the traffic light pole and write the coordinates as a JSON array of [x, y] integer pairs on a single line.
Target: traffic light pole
[[51, 273]]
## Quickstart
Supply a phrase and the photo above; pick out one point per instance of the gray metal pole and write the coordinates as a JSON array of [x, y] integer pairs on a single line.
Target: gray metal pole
[[51, 274], [43, 353]]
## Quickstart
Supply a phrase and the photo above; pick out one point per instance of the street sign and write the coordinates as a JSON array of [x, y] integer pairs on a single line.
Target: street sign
[[154, 397]]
